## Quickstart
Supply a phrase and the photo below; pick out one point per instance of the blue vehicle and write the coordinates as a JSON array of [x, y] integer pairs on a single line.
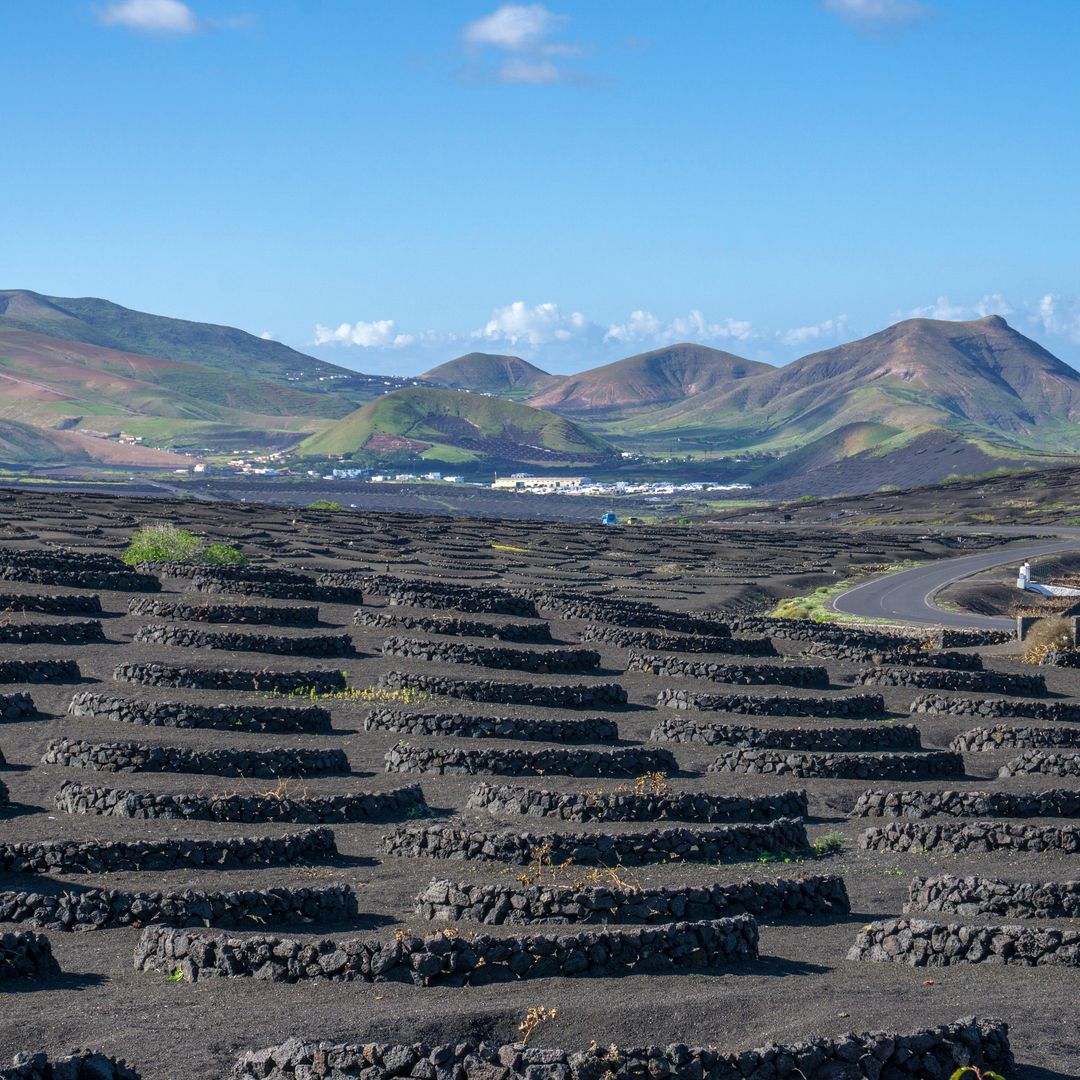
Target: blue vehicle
[[609, 519]]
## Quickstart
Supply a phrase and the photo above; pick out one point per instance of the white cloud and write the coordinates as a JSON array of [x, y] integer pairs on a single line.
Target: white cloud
[[874, 15], [514, 44], [518, 27], [381, 334], [541, 324], [1059, 315], [944, 308], [268, 335], [827, 330], [152, 16], [644, 326]]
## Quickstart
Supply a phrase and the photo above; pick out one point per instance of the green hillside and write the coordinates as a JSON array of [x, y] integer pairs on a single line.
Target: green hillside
[[491, 373], [450, 426]]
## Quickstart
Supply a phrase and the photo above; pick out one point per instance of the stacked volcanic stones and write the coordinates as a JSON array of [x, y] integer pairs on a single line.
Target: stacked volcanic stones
[[51, 603], [39, 671], [552, 662], [588, 729], [1022, 738], [910, 657], [25, 955], [538, 633], [451, 960], [94, 857], [936, 1052], [16, 706], [684, 643], [283, 615], [631, 761], [257, 581], [1057, 802], [677, 729], [987, 682], [453, 901], [850, 706], [913, 766], [1032, 762], [70, 633], [811, 677], [266, 681], [437, 594], [927, 944], [221, 761], [83, 1065], [182, 714], [637, 803], [75, 798], [624, 613], [593, 695], [988, 896], [107, 909], [74, 569], [996, 708], [720, 843], [321, 645], [979, 836]]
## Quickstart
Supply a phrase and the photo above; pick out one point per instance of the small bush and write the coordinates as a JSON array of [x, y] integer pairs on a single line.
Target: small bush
[[167, 543], [1047, 635], [829, 844], [324, 504], [222, 555]]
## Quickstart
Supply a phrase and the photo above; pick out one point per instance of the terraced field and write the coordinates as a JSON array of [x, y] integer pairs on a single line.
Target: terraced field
[[401, 785]]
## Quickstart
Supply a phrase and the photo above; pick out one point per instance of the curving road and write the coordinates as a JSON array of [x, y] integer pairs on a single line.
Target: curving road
[[907, 596]]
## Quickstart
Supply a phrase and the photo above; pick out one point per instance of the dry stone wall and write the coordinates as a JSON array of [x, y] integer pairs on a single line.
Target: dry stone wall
[[985, 682], [922, 943], [76, 798], [720, 843], [849, 706], [70, 633], [451, 960], [584, 696], [189, 637], [625, 762], [39, 671], [25, 955], [537, 633], [99, 857], [594, 729], [977, 836], [16, 707], [996, 708], [881, 1055], [683, 643], [1023, 738], [182, 714], [913, 766], [108, 909], [1057, 802], [283, 615], [636, 804], [802, 675], [1044, 762], [454, 901], [976, 895], [51, 603], [552, 662], [265, 681], [678, 729], [274, 761], [83, 1065]]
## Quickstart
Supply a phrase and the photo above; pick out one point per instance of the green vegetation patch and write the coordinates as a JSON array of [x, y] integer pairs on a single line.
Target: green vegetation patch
[[169, 543]]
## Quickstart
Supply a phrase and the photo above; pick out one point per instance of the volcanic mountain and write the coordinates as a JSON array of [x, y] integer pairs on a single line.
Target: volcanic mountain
[[490, 373], [981, 379], [454, 427], [89, 365], [648, 380]]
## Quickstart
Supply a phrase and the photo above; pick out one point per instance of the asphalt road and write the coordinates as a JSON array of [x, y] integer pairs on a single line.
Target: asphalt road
[[907, 596]]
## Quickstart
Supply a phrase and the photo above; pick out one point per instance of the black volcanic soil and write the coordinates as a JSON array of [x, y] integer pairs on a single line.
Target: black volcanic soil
[[802, 987]]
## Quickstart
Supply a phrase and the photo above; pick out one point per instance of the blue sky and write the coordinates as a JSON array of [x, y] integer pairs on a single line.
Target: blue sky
[[389, 184]]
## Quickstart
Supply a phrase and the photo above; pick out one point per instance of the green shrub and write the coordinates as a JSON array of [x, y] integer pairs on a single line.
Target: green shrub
[[324, 504], [167, 543], [829, 844]]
